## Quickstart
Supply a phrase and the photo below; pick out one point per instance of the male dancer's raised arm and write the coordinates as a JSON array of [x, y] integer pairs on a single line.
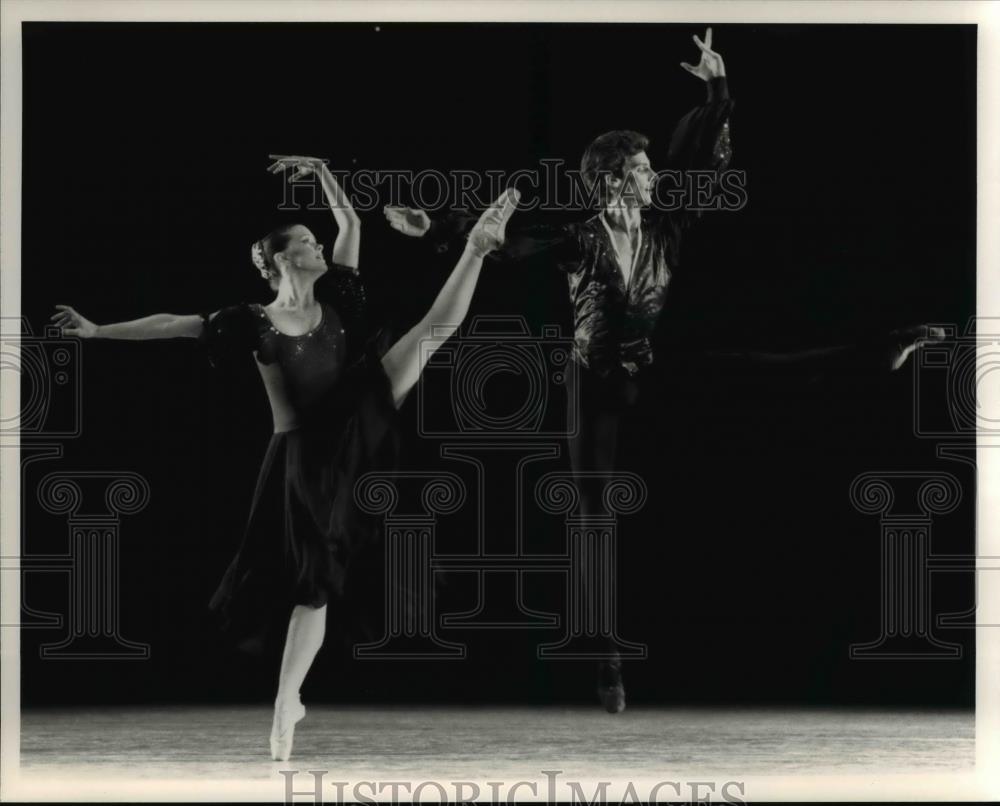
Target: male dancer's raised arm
[[701, 141]]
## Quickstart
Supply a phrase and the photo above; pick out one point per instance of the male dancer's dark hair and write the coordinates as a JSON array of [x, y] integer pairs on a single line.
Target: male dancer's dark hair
[[606, 155]]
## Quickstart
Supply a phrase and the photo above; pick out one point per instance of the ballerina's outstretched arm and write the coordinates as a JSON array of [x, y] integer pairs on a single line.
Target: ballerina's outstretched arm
[[157, 326], [405, 360], [348, 244]]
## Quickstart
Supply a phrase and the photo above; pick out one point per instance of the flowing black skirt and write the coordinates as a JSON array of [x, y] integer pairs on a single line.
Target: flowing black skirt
[[306, 541]]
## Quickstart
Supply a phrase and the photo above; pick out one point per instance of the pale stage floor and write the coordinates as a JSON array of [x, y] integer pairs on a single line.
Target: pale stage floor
[[229, 743]]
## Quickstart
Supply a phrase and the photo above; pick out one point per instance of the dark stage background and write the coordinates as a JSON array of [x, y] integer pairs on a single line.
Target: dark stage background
[[748, 573]]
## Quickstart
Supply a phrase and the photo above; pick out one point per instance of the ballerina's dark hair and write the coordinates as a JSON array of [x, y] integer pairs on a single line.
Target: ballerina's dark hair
[[262, 254]]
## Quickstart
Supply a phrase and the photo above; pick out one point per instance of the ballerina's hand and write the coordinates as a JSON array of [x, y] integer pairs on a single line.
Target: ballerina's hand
[[72, 324], [408, 220], [711, 64], [304, 166]]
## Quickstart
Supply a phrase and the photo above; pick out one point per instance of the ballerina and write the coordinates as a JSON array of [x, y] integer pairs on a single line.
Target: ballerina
[[333, 397]]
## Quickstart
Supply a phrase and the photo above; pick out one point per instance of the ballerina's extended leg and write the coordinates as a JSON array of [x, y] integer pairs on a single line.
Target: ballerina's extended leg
[[405, 360], [887, 352], [905, 341]]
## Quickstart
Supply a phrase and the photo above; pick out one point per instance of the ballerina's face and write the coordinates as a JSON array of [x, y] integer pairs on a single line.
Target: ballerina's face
[[303, 252]]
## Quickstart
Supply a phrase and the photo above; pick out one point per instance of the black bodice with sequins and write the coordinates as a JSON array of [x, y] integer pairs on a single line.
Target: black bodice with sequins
[[298, 371]]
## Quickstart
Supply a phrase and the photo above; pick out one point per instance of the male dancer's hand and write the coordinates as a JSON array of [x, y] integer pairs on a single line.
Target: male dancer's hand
[[408, 220], [711, 64]]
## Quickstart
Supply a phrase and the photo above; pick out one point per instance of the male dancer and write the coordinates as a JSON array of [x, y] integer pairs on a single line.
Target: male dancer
[[618, 265]]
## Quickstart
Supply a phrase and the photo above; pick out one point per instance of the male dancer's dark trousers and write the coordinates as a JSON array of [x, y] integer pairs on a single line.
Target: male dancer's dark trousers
[[596, 403], [599, 402]]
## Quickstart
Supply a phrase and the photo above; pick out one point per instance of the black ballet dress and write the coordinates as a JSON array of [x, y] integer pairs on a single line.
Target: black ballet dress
[[334, 420]]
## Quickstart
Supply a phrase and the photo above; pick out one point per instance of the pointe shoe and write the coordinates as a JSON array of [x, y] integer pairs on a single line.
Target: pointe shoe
[[286, 716], [491, 229], [610, 688], [904, 341]]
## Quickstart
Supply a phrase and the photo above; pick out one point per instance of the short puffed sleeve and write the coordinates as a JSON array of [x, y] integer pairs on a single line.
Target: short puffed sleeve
[[230, 333]]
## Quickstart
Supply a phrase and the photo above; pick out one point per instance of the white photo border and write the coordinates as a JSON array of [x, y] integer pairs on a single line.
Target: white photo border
[[984, 784]]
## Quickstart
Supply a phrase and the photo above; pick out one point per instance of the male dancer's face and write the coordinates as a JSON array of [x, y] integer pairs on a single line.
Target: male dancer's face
[[635, 188]]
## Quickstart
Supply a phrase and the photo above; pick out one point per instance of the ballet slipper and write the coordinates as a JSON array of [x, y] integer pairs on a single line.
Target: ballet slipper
[[286, 715], [491, 228], [904, 341]]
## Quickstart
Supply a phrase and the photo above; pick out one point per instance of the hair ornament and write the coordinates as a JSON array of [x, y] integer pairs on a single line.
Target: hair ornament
[[257, 256]]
